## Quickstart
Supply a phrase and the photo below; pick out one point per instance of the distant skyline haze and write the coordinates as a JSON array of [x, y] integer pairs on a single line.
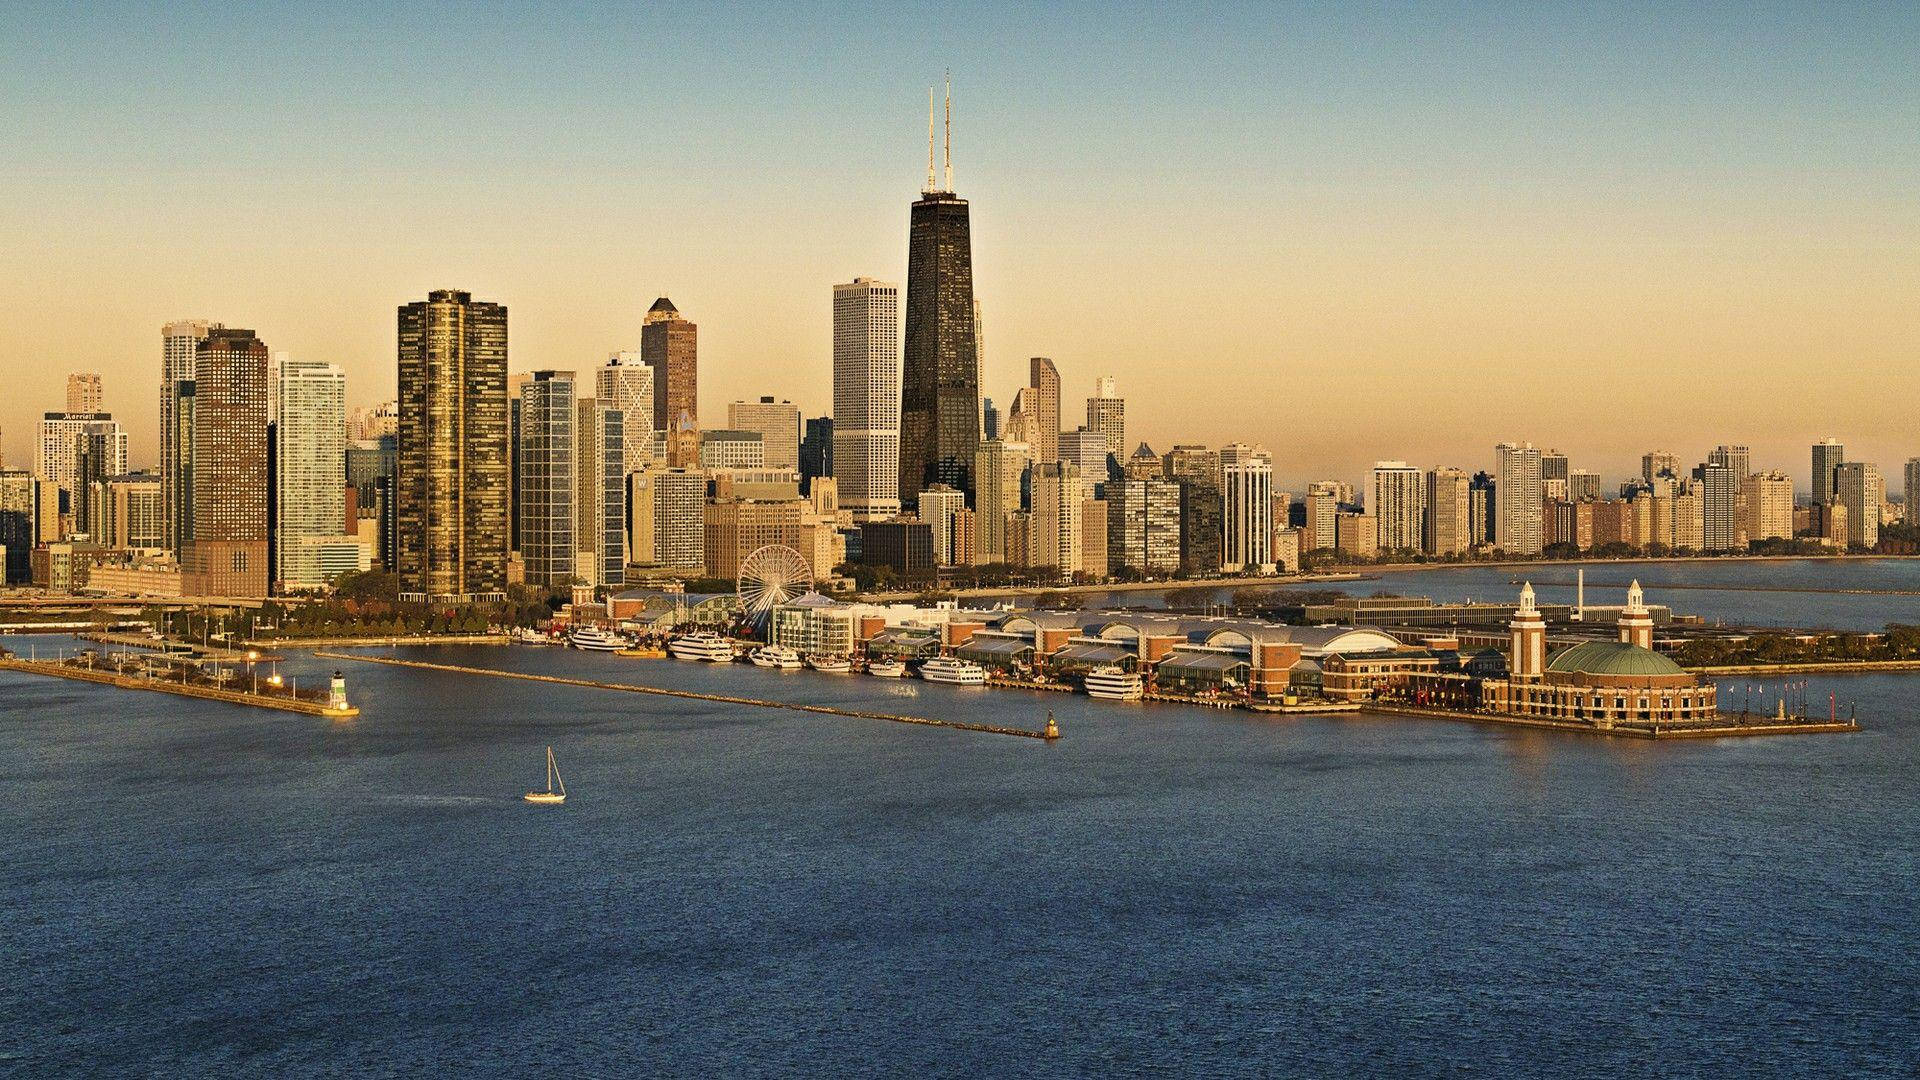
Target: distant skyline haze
[[1409, 231]]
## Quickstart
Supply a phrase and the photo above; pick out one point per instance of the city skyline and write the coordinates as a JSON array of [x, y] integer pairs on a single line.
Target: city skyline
[[1480, 282]]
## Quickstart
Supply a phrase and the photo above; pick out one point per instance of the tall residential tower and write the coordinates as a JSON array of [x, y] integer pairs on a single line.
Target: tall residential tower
[[866, 397]]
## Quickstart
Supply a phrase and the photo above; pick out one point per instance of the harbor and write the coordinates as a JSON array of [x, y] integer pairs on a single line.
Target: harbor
[[1044, 734]]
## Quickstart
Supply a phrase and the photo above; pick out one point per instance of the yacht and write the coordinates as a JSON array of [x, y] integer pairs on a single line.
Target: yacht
[[886, 669], [1112, 684], [775, 656], [551, 795], [706, 646], [594, 639], [522, 635], [835, 665], [945, 669]]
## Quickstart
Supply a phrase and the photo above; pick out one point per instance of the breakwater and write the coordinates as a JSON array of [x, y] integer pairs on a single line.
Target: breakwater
[[285, 702], [693, 695]]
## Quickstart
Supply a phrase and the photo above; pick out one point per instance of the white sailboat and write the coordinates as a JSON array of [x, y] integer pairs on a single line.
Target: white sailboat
[[553, 778]]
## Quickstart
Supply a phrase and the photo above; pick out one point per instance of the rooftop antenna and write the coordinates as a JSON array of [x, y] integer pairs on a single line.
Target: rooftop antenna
[[949, 186], [930, 186]]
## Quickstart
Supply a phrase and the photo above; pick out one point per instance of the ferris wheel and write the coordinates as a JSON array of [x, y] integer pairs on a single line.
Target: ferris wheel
[[769, 577]]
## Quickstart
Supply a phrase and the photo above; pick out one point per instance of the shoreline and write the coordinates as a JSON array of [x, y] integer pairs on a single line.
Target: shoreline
[[1363, 573]]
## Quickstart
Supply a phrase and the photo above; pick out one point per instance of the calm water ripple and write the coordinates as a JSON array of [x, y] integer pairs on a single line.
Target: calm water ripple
[[195, 888]]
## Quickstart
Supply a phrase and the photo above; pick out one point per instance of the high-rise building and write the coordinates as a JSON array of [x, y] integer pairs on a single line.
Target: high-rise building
[[866, 458], [131, 516], [1828, 454], [83, 392], [599, 493], [1143, 525], [670, 345], [99, 454], [1582, 485], [226, 554], [816, 455], [940, 377], [1044, 378], [1719, 507], [1480, 510], [1448, 524], [549, 419], [778, 423], [731, 449], [1323, 507], [60, 439], [1022, 425], [1517, 500], [1088, 450], [626, 383], [1768, 498], [679, 518], [938, 505], [1913, 492], [1657, 463], [1553, 475], [450, 502], [999, 468], [19, 524], [1246, 508], [1107, 414], [516, 383], [1059, 500], [989, 419], [1196, 470], [179, 342], [310, 471], [1399, 505], [1857, 486]]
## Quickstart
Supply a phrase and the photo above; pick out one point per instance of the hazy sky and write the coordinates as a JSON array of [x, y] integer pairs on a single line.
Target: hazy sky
[[1347, 232]]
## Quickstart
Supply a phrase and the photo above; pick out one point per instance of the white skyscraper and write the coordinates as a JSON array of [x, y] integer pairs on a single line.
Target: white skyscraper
[[1246, 511], [1059, 508], [866, 397], [626, 384], [1517, 502], [1107, 414], [1399, 504], [58, 449], [310, 468], [179, 344]]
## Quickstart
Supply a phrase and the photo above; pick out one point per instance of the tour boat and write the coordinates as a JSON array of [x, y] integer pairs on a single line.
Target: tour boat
[[945, 669], [775, 656], [836, 665], [594, 639], [553, 780], [886, 669], [1112, 684], [522, 635], [709, 647]]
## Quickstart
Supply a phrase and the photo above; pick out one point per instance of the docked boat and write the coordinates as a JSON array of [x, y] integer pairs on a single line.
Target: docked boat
[[556, 788], [594, 639], [1110, 683], [708, 647], [775, 656], [945, 669], [833, 665], [886, 669], [523, 635]]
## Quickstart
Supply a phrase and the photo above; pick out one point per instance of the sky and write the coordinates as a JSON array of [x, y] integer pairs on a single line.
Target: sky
[[1345, 232]]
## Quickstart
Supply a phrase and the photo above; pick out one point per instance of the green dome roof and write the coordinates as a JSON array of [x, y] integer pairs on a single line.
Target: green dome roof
[[1612, 658]]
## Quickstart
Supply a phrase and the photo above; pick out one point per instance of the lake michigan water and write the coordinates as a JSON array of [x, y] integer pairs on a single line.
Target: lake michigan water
[[193, 888]]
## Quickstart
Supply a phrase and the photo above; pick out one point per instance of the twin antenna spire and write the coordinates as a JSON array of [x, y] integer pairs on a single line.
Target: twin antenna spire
[[948, 187]]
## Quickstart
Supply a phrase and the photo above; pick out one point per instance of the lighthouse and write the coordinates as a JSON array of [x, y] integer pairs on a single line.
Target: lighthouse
[[337, 694], [1529, 657]]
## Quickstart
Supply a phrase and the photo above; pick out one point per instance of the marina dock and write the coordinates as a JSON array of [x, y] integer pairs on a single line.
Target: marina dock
[[723, 699]]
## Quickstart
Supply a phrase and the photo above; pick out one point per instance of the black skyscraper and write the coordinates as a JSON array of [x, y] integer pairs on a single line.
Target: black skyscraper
[[940, 371]]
